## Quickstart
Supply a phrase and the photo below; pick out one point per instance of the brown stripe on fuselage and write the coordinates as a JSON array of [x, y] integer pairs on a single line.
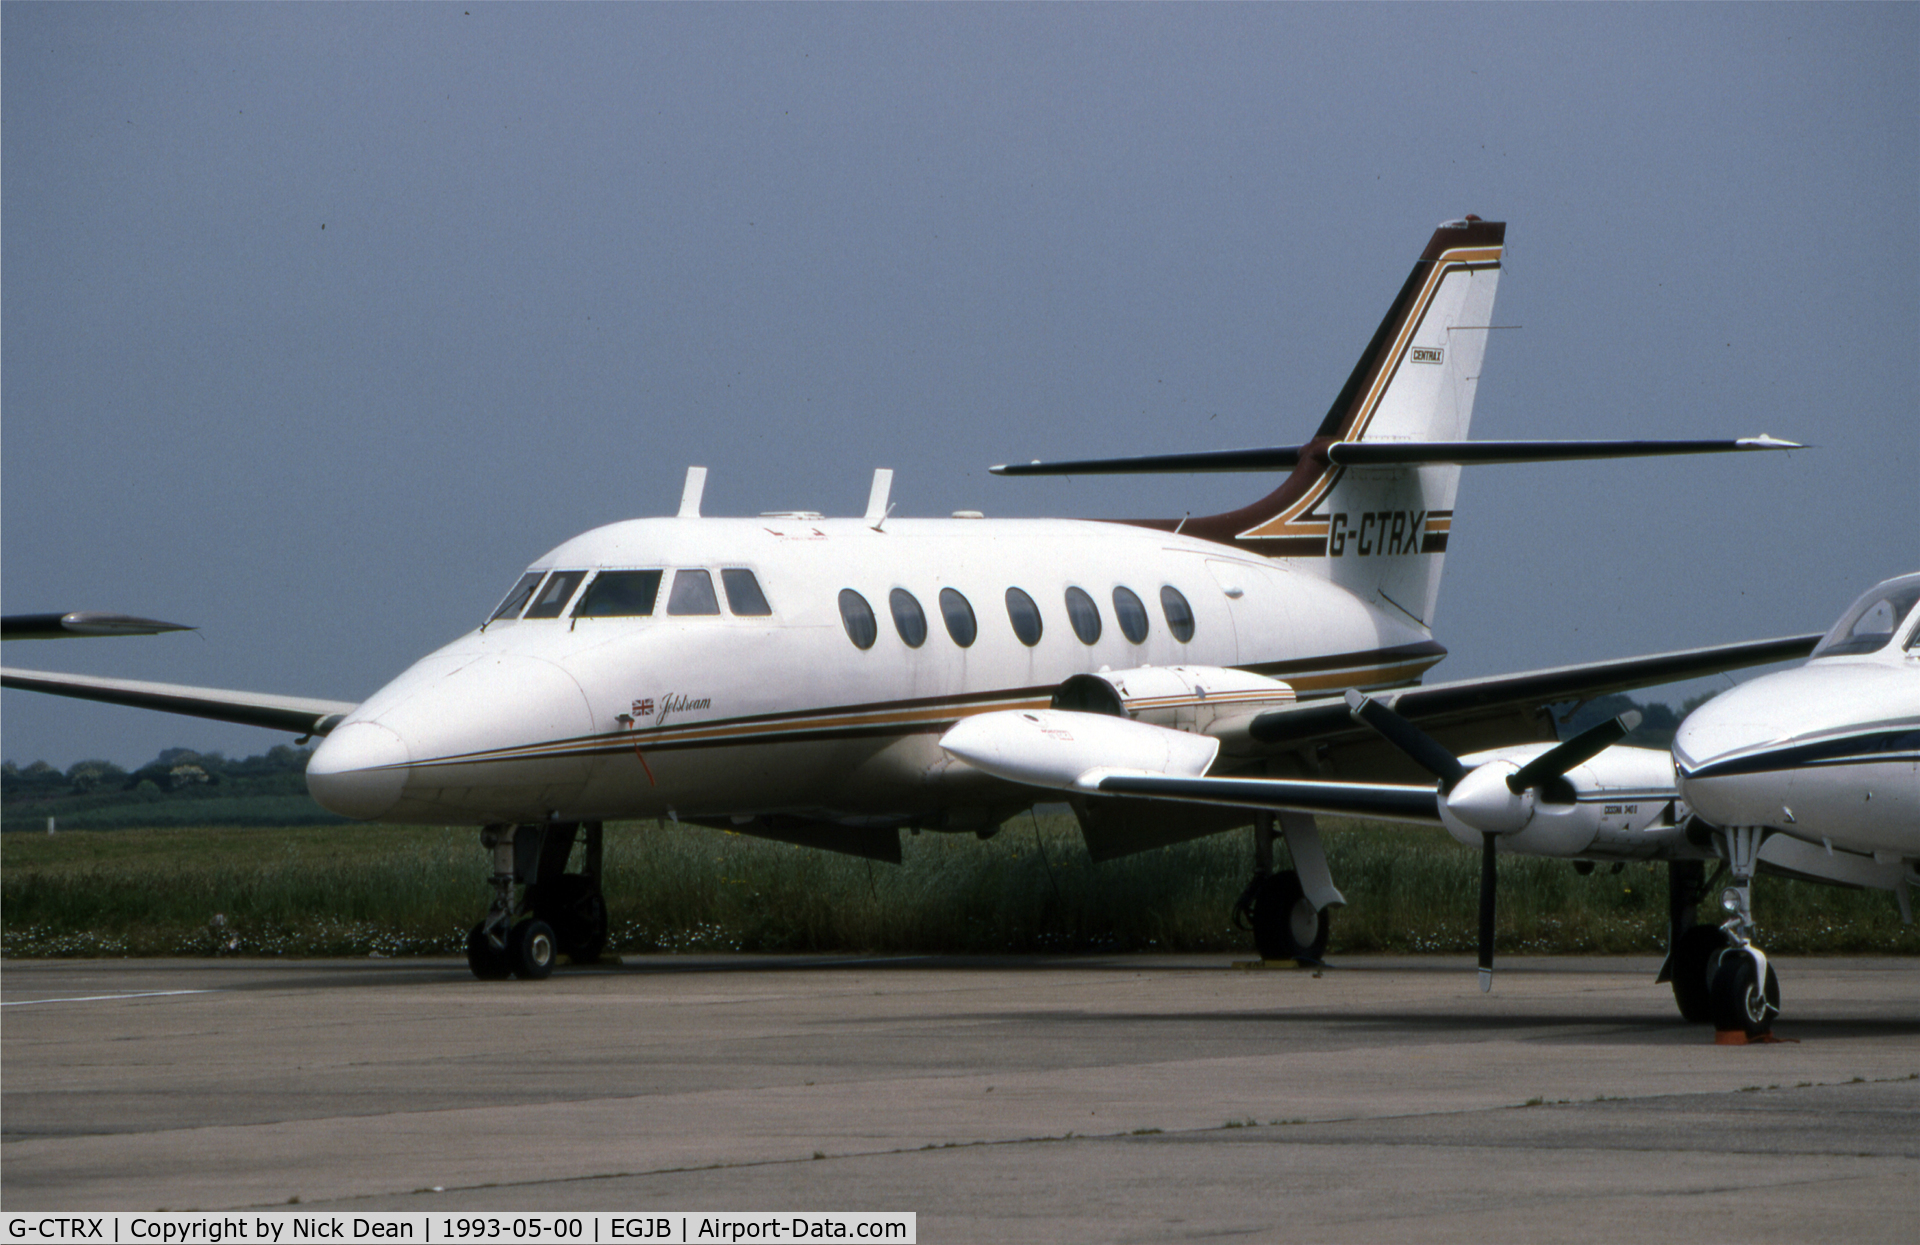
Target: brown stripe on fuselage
[[926, 715]]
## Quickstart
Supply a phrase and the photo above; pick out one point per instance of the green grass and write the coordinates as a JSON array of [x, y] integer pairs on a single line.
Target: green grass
[[383, 890]]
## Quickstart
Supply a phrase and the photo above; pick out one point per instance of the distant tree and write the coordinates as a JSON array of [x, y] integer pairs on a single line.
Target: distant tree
[[90, 776]]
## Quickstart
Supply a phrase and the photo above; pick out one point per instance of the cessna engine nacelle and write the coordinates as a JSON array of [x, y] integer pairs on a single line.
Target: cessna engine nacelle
[[1618, 805]]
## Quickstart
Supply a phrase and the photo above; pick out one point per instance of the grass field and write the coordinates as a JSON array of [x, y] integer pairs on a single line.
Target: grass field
[[384, 890]]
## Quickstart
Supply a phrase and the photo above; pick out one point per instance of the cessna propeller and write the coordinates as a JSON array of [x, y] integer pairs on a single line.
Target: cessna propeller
[[1495, 798]]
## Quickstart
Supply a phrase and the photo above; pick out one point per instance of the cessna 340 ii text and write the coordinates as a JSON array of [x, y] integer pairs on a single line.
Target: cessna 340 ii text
[[795, 677]]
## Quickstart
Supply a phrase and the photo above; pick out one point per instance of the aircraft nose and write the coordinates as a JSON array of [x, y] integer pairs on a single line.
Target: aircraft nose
[[359, 770]]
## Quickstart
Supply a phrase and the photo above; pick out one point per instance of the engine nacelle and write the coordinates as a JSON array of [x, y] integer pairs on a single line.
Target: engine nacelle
[[1621, 804], [1183, 698]]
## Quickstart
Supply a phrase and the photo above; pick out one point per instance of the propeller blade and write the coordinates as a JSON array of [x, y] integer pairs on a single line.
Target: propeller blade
[[1487, 876], [1583, 747], [1419, 746]]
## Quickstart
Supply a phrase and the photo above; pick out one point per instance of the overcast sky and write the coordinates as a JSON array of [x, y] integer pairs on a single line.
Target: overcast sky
[[319, 322]]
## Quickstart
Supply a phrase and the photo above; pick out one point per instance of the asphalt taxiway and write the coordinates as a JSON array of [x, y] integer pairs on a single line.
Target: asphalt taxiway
[[1125, 1098]]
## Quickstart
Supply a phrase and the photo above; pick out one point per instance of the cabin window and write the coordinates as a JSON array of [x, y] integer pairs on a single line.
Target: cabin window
[[908, 618], [858, 616], [1084, 615], [692, 594], [959, 615], [554, 594], [619, 594], [1179, 613], [744, 597], [1025, 617], [1132, 615], [517, 599]]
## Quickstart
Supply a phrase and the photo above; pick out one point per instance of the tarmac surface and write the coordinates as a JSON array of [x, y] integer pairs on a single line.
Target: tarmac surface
[[1136, 1098]]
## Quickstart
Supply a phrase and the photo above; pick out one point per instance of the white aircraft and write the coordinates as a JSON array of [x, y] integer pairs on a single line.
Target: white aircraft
[[793, 676], [1812, 772]]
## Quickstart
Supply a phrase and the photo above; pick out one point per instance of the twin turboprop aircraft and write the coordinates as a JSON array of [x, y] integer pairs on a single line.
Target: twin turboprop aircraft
[[831, 682]]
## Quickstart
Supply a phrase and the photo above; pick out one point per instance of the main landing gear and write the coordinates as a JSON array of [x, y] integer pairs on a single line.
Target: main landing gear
[[559, 913], [1718, 974], [1288, 911]]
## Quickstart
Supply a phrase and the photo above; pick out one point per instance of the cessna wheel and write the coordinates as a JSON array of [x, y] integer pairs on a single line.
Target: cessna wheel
[[1739, 1001], [1285, 925]]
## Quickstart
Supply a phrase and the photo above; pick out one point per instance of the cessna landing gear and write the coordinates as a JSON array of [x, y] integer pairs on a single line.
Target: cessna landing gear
[[1280, 908], [560, 913], [1744, 991]]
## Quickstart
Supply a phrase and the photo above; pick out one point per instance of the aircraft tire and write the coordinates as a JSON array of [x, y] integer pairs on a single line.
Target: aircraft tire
[[487, 963], [1285, 926], [532, 950], [1692, 972], [1738, 1002]]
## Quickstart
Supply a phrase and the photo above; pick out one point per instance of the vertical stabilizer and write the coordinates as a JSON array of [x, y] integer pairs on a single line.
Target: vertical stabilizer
[[1382, 531]]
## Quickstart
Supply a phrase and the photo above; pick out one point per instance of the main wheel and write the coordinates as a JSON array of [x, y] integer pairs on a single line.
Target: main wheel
[[489, 963], [531, 950], [1739, 1002], [1692, 971], [573, 905], [1285, 925]]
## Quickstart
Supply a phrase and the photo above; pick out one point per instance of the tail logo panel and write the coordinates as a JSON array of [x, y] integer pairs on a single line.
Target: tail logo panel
[[1304, 528]]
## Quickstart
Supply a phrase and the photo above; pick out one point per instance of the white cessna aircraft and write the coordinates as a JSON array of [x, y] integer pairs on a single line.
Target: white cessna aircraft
[[1812, 772], [792, 676]]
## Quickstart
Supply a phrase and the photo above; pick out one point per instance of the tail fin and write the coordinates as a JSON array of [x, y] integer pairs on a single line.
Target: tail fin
[[1382, 530]]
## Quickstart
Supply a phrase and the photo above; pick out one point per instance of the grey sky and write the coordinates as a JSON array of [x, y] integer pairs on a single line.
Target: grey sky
[[321, 321]]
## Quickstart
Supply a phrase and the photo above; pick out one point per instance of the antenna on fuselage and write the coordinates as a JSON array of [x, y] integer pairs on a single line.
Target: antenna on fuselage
[[690, 493], [877, 507]]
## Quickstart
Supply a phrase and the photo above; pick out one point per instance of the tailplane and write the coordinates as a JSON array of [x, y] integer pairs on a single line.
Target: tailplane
[[1368, 502]]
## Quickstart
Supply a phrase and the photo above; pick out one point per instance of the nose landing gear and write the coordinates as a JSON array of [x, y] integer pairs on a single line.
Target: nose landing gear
[[559, 913]]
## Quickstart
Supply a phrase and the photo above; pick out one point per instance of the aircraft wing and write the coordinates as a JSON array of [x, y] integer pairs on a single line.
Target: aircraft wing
[[282, 713], [1377, 800], [1469, 714], [81, 623]]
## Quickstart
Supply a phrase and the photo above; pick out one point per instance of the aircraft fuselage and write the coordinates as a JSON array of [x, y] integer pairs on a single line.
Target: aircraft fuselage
[[724, 714]]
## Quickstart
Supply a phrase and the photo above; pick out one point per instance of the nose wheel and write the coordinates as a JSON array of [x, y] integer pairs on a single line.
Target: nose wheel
[[557, 913]]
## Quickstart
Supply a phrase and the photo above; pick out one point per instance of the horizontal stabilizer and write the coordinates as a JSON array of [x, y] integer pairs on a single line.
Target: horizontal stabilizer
[[1391, 453], [1061, 749], [282, 713], [81, 623]]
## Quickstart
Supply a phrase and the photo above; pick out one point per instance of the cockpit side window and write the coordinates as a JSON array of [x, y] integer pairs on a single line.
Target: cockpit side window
[[554, 594], [1873, 620], [692, 594], [620, 594], [517, 599], [744, 597]]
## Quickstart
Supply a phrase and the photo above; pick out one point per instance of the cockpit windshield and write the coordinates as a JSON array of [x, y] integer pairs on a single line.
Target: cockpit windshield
[[554, 594], [1873, 620], [517, 599]]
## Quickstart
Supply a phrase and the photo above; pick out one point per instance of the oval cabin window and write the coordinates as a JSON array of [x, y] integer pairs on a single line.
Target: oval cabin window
[[1179, 613], [958, 613], [908, 618], [1132, 615], [1025, 617], [1084, 615], [858, 616]]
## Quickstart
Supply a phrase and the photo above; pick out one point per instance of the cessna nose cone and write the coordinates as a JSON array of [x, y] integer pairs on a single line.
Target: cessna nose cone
[[358, 771]]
